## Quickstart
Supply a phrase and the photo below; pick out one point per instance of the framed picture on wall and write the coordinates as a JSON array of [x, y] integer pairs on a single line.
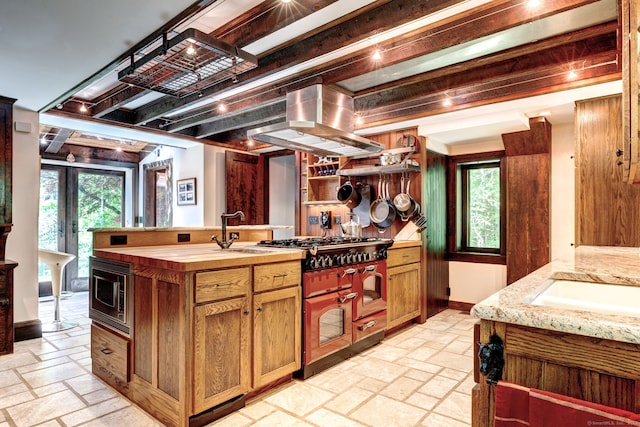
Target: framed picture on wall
[[186, 191]]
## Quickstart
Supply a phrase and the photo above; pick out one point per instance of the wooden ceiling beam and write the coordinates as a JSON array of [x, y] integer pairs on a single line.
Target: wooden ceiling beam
[[246, 119], [114, 100], [372, 21]]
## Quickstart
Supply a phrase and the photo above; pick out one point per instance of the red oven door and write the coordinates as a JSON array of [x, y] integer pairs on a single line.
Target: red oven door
[[371, 285], [327, 324], [366, 326]]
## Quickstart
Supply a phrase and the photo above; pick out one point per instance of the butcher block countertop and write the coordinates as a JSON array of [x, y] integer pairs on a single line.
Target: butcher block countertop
[[202, 256], [612, 265]]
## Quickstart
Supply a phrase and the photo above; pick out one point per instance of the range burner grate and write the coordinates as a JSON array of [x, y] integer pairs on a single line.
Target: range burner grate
[[319, 242]]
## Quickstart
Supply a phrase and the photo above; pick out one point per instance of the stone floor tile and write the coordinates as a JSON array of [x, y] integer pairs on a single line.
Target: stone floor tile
[[345, 403], [53, 374], [236, 419], [84, 384], [300, 398], [129, 416], [434, 419], [43, 364], [99, 396], [324, 417], [401, 388], [382, 411], [49, 389], [456, 405], [95, 411], [44, 408], [280, 419], [16, 399], [423, 401], [257, 410], [438, 387]]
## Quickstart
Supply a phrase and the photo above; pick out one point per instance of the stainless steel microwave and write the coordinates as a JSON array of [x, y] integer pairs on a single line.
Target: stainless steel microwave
[[111, 290]]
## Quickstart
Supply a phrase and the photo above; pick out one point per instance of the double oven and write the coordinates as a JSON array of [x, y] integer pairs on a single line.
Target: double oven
[[344, 291]]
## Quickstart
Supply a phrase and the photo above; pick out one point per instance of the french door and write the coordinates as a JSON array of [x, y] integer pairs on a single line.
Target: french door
[[73, 200]]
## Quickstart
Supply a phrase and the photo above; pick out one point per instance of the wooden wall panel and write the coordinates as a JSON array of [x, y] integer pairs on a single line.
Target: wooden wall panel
[[436, 265], [170, 340], [143, 332], [6, 159], [245, 187], [607, 208], [528, 204]]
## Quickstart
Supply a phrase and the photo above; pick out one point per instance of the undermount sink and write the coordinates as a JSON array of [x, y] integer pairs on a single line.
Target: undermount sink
[[596, 297]]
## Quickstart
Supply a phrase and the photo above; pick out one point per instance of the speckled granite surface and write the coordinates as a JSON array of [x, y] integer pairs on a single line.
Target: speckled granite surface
[[612, 265]]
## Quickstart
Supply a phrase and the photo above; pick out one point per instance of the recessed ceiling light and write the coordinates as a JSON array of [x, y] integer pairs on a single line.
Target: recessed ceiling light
[[222, 108], [377, 55], [572, 75], [447, 102]]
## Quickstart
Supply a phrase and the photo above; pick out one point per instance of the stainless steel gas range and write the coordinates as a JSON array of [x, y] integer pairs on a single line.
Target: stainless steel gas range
[[344, 288]]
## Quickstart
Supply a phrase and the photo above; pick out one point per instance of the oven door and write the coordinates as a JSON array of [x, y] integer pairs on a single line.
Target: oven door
[[327, 324], [371, 286], [320, 282], [111, 295]]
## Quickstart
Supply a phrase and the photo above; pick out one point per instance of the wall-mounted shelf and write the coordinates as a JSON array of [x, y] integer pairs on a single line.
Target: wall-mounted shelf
[[378, 170]]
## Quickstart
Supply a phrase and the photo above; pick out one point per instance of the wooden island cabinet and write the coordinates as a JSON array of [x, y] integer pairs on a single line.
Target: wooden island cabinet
[[203, 337]]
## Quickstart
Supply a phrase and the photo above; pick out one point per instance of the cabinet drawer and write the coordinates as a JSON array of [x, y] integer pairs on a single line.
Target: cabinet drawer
[[275, 276], [109, 356], [403, 256], [222, 284]]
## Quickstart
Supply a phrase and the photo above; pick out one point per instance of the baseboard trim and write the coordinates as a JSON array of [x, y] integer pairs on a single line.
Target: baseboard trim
[[462, 306], [27, 330]]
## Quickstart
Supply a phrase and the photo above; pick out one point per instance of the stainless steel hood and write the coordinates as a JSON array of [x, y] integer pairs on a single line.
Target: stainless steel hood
[[319, 120]]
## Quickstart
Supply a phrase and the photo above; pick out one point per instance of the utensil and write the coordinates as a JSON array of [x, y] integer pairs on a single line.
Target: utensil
[[382, 211], [349, 195], [352, 228]]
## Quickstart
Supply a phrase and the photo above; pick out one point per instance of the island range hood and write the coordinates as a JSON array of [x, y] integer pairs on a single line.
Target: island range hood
[[319, 120]]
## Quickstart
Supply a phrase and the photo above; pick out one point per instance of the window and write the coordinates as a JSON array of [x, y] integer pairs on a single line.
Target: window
[[476, 220]]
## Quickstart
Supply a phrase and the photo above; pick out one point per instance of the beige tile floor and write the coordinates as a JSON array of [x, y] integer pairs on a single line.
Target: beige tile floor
[[421, 376]]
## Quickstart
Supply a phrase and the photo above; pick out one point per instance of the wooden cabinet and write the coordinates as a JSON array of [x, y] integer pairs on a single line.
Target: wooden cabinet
[[277, 334], [403, 285], [221, 362], [277, 321], [630, 16], [6, 306], [592, 369], [110, 357]]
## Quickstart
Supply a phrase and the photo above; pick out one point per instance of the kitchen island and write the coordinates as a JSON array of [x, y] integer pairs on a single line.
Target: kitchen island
[[582, 352], [210, 326]]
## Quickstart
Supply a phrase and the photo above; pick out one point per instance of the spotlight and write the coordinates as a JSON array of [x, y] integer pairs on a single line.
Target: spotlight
[[191, 50], [59, 106], [83, 108], [377, 55]]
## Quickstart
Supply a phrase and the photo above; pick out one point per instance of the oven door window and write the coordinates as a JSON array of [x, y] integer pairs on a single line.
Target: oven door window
[[331, 324], [106, 291]]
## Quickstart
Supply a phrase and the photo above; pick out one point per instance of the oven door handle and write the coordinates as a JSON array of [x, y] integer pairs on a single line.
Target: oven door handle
[[367, 325], [349, 271], [344, 298]]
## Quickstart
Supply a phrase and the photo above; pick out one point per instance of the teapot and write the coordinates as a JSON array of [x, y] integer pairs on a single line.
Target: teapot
[[352, 228]]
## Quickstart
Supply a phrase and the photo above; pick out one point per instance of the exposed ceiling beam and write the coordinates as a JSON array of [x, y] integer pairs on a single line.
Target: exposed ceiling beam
[[58, 140]]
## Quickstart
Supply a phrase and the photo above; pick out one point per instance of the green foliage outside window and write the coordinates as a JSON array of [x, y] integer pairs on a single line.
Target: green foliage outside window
[[483, 225]]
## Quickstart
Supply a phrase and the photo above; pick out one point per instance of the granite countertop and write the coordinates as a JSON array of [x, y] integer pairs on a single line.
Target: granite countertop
[[200, 256], [613, 265]]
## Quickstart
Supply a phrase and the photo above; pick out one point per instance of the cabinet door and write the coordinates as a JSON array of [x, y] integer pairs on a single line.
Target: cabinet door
[[277, 334], [221, 363], [403, 294]]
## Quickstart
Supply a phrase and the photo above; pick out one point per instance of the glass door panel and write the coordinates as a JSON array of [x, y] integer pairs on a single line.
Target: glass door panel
[[100, 204], [51, 219]]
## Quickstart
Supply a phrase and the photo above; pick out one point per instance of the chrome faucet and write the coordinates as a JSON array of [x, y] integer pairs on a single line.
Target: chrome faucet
[[224, 244]]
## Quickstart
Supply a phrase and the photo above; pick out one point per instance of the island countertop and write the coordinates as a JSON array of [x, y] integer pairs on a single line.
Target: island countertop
[[613, 265], [199, 256]]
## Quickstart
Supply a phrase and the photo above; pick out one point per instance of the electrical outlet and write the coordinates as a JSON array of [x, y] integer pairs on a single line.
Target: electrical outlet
[[313, 219], [234, 235]]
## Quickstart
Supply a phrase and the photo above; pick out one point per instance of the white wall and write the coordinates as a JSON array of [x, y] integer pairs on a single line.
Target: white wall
[[563, 189], [282, 179], [215, 194], [22, 242]]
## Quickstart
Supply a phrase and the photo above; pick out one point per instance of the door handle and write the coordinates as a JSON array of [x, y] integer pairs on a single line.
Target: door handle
[[74, 227], [61, 229], [352, 295]]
